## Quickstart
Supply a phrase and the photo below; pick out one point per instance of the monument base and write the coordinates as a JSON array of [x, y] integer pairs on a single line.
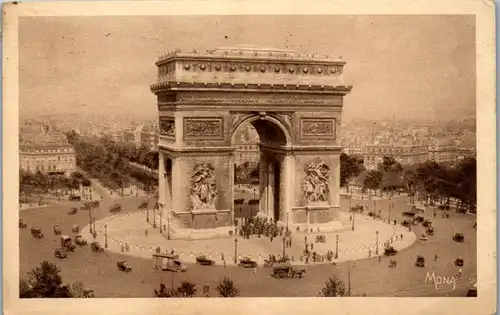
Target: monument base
[[316, 217], [201, 224]]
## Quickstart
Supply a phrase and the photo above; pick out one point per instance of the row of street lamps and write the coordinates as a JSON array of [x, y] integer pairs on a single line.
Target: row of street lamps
[[162, 228]]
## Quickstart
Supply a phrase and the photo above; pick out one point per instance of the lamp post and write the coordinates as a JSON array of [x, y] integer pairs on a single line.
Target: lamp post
[[93, 221], [284, 240], [90, 221], [353, 218], [287, 215], [376, 244], [348, 278], [251, 209], [105, 236], [154, 217], [168, 224], [391, 206], [337, 247], [147, 214], [235, 250], [161, 222]]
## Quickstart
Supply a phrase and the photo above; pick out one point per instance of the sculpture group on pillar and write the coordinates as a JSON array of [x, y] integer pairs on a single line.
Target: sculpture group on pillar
[[316, 188], [203, 188]]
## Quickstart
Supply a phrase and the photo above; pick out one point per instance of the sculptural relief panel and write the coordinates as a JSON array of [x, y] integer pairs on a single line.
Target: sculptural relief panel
[[203, 189], [167, 127], [317, 128], [316, 187], [210, 128]]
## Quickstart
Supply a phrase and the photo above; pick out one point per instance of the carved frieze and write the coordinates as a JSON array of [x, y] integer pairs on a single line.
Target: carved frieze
[[203, 190], [165, 98], [317, 127], [203, 128], [167, 127], [315, 186], [290, 99]]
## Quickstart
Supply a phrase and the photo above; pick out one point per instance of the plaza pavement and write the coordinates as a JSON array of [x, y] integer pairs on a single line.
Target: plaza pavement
[[130, 228]]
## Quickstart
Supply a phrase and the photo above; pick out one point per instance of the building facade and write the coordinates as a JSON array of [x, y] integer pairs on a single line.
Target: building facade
[[48, 153], [404, 154]]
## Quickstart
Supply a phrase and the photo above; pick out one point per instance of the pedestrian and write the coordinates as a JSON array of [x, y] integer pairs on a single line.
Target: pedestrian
[[146, 232], [436, 257], [224, 260], [122, 249], [369, 253], [127, 247], [459, 274], [396, 238], [255, 270], [401, 236], [394, 221], [312, 245]]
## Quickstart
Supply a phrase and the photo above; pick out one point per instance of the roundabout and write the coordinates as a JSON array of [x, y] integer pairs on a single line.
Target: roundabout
[[132, 231]]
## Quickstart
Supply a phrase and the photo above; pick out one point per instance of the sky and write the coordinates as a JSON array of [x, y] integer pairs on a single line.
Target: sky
[[420, 66]]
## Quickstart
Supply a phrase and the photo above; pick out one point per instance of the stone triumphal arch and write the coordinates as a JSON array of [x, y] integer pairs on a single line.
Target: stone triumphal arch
[[294, 102]]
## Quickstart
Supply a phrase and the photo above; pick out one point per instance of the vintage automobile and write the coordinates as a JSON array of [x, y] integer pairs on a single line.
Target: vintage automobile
[[115, 208], [409, 214], [472, 292], [287, 271], [420, 262], [36, 233], [73, 211], [427, 223], [60, 253], [247, 263], [96, 247], [390, 251], [80, 241], [423, 237], [203, 260], [419, 219], [320, 238], [76, 228], [430, 231], [405, 223], [357, 208], [123, 266], [74, 198], [22, 225], [392, 264], [458, 237], [459, 262], [143, 205], [57, 230], [67, 244]]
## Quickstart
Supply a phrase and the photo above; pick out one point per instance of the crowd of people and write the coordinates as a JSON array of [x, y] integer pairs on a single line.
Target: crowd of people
[[261, 226]]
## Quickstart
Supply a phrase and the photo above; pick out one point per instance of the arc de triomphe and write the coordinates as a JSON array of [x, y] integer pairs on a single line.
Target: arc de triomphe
[[294, 102]]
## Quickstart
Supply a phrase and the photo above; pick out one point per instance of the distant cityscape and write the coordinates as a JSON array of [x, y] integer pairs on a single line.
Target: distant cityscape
[[44, 147]]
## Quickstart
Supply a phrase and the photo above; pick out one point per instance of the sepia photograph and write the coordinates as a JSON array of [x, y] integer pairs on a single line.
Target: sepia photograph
[[250, 156]]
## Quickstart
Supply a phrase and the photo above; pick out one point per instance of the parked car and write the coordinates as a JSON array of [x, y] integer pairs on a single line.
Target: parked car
[[427, 223], [22, 225], [430, 231], [57, 230], [287, 271], [67, 244], [459, 262], [458, 237], [60, 253], [423, 237], [74, 198], [115, 208], [73, 211], [202, 260], [76, 228], [390, 251], [420, 262], [96, 247], [36, 233], [123, 266], [80, 241], [247, 263]]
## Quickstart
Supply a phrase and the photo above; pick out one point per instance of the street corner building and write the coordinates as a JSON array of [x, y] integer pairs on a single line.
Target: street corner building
[[293, 101]]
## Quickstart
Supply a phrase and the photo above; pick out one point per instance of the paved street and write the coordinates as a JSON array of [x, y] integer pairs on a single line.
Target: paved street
[[98, 270]]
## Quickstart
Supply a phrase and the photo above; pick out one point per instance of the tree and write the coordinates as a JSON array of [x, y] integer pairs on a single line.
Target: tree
[[373, 179], [334, 287], [165, 292], [226, 288], [350, 166], [186, 289], [44, 282]]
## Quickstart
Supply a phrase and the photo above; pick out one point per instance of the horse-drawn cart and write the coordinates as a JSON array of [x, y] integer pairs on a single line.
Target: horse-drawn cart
[[287, 271]]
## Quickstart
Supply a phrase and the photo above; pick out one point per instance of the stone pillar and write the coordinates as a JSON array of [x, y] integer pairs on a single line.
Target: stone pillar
[[263, 183], [162, 182], [270, 191], [287, 187]]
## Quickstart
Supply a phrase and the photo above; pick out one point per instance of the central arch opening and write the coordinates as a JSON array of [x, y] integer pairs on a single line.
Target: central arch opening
[[258, 169]]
